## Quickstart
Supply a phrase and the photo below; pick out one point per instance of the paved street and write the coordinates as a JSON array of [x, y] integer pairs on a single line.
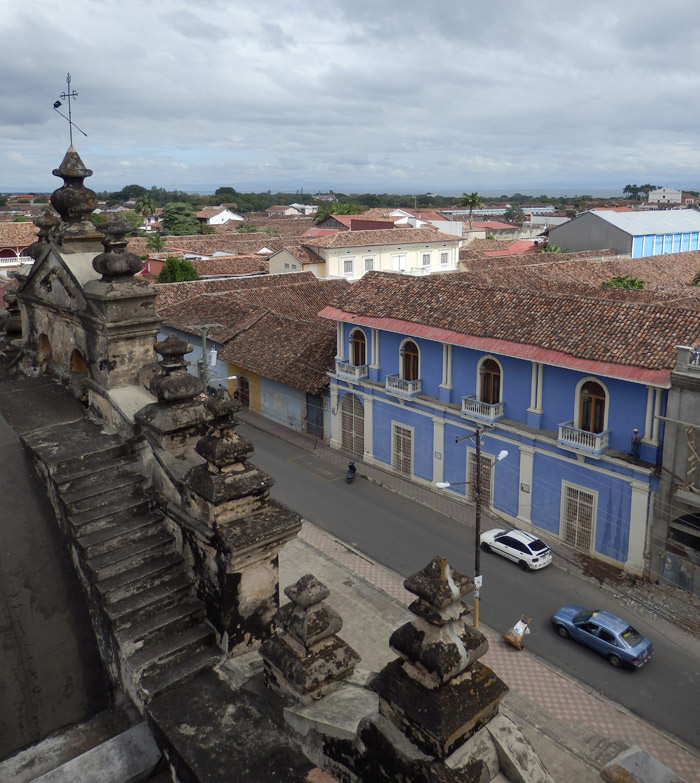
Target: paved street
[[402, 535]]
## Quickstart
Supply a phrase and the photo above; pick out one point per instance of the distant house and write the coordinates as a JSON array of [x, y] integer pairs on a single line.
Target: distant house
[[215, 216], [349, 254], [665, 196], [355, 223], [636, 234], [292, 211], [15, 238]]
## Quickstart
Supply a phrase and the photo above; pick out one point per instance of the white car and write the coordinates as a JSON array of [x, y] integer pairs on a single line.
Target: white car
[[517, 545]]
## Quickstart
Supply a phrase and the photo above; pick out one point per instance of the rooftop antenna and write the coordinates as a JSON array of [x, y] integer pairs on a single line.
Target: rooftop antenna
[[67, 97]]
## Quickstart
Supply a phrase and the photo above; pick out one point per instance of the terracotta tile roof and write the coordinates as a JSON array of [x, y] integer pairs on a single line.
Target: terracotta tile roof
[[393, 236], [378, 213], [670, 274], [210, 212], [596, 330], [172, 293], [305, 255], [297, 353], [303, 301], [425, 214], [494, 225], [516, 248], [273, 331], [232, 265], [17, 234], [208, 244]]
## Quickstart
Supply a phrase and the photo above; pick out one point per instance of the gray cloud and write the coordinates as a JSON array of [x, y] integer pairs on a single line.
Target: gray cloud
[[407, 95]]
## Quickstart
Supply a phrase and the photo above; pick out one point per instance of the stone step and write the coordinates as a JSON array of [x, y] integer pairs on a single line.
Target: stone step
[[130, 504], [173, 647], [120, 533], [142, 577], [98, 450], [173, 589], [75, 479], [160, 624], [101, 493], [170, 676], [132, 554]]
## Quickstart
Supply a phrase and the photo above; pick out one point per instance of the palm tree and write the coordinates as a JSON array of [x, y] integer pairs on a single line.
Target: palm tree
[[144, 205], [470, 201]]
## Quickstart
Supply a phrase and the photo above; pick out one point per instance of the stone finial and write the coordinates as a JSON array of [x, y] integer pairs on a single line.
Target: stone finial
[[46, 222], [439, 645], [176, 384], [75, 203], [437, 692], [116, 261], [307, 659], [227, 476], [222, 447]]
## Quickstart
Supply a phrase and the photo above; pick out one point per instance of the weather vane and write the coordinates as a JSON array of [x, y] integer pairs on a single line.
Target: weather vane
[[67, 97]]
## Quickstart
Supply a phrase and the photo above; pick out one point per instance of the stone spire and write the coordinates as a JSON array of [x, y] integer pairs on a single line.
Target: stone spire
[[116, 261], [308, 658], [46, 222], [437, 692], [178, 417], [75, 203], [241, 530]]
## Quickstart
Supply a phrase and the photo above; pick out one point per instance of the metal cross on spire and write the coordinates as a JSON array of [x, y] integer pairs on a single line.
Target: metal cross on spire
[[67, 96]]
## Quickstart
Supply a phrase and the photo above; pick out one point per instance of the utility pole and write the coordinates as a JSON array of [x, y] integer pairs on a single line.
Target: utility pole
[[204, 372], [478, 579], [477, 528]]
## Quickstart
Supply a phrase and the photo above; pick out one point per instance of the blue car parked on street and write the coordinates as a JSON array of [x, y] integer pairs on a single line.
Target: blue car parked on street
[[603, 632]]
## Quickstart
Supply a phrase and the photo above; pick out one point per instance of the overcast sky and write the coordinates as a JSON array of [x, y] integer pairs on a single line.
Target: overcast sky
[[356, 96]]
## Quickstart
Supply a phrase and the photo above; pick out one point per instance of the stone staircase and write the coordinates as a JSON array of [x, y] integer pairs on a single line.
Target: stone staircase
[[136, 580]]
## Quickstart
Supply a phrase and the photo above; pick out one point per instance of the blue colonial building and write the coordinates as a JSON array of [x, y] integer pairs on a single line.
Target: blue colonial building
[[559, 381]]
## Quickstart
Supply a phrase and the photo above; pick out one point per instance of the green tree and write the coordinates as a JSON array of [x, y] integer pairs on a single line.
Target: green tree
[[98, 218], [246, 228], [179, 219], [177, 270], [132, 219], [696, 279], [155, 243], [41, 200], [144, 205], [20, 219], [550, 248], [328, 208], [470, 201], [625, 281], [3, 201], [514, 214]]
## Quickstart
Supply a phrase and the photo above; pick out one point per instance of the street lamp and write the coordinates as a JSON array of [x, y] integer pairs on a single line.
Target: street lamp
[[477, 513]]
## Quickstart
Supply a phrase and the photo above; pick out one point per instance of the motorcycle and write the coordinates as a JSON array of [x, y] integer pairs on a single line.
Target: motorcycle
[[350, 475]]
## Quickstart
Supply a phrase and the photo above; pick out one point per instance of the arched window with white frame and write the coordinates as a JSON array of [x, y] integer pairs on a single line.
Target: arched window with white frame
[[490, 381], [410, 361], [592, 406], [358, 348]]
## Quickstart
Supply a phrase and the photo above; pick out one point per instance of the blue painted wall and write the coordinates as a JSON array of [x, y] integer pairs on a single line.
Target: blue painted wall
[[282, 404], [552, 465]]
